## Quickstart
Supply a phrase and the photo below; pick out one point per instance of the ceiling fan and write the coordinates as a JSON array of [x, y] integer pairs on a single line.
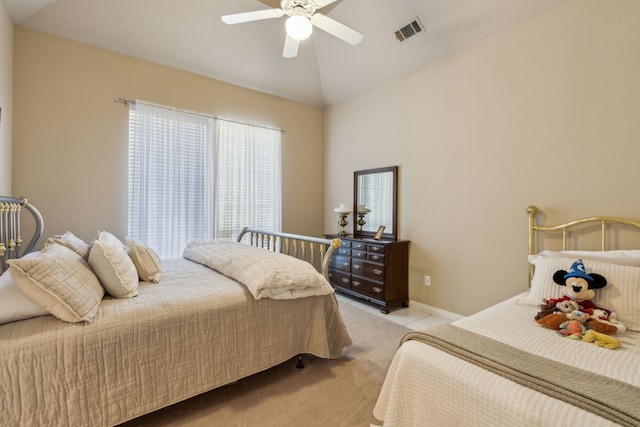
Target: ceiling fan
[[302, 17]]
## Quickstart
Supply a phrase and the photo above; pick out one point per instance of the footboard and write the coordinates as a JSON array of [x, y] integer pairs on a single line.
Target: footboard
[[10, 229], [316, 251]]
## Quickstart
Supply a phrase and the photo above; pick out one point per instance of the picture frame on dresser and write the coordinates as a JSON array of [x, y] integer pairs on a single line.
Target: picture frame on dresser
[[378, 235]]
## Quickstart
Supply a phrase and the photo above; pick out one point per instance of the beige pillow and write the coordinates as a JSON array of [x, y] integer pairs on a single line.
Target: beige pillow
[[15, 305], [61, 282], [109, 260], [72, 242], [146, 261], [619, 256]]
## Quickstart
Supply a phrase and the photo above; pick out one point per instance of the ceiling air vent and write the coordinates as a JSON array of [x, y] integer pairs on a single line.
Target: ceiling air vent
[[411, 29]]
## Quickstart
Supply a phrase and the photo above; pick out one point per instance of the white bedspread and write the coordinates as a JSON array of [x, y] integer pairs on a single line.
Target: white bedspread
[[265, 273], [425, 386]]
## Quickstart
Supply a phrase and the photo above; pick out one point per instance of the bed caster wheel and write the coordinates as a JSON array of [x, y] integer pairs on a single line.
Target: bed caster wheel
[[300, 364]]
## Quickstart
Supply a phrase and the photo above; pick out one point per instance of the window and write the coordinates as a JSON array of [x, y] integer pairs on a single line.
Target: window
[[193, 177], [248, 182]]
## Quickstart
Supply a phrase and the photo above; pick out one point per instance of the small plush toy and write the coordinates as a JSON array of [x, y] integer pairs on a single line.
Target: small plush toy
[[557, 307], [572, 329], [545, 310], [608, 321], [601, 340], [578, 315]]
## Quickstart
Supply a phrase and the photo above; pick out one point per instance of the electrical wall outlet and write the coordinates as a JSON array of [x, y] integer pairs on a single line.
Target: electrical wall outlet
[[427, 280]]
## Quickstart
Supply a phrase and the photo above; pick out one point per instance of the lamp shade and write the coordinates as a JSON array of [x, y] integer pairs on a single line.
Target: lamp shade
[[363, 209], [343, 209], [298, 27]]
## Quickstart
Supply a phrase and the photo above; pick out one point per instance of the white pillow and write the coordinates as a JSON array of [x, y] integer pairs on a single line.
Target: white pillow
[[72, 242], [621, 294], [61, 281], [146, 261], [109, 260], [621, 256], [14, 305]]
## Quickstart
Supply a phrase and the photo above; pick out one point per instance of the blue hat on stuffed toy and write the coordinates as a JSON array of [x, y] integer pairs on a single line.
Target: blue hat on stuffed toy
[[578, 270]]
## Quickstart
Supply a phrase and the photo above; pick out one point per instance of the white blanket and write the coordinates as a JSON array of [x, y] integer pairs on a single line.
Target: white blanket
[[265, 273]]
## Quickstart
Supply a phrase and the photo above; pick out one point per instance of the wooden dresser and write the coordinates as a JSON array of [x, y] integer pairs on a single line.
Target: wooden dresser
[[375, 270]]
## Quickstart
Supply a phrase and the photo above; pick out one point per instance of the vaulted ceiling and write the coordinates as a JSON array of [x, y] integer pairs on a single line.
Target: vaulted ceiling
[[189, 35]]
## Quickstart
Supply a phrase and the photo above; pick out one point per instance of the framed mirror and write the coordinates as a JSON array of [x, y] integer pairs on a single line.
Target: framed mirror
[[375, 203]]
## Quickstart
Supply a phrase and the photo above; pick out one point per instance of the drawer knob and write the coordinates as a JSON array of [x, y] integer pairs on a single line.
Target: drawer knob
[[378, 271], [375, 249], [345, 280], [375, 257], [346, 264], [377, 290], [356, 283], [357, 266]]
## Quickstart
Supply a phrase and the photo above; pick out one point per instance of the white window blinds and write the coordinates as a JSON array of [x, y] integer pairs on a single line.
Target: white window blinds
[[248, 179], [187, 181]]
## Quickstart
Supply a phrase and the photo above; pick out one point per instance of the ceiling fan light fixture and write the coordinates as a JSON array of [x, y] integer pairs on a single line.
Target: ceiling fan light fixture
[[298, 27]]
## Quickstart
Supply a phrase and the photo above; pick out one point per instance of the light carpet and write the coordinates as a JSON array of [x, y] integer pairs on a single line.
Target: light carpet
[[325, 393]]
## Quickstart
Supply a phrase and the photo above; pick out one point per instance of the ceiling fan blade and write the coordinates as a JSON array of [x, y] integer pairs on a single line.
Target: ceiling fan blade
[[239, 18], [271, 3], [318, 4], [336, 29], [290, 47]]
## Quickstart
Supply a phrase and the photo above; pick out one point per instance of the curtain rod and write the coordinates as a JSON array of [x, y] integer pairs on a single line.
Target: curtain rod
[[126, 102]]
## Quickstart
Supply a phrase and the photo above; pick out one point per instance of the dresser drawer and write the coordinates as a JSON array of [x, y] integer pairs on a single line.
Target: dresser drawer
[[376, 249], [361, 246], [368, 269], [340, 263], [375, 257], [369, 288], [339, 278], [344, 250], [359, 254]]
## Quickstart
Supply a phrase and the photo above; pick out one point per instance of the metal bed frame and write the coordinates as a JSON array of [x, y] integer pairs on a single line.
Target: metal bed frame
[[604, 223], [10, 228], [316, 251]]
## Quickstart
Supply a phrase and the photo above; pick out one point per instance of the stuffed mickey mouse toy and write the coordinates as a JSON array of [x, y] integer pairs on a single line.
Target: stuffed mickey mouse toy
[[579, 285]]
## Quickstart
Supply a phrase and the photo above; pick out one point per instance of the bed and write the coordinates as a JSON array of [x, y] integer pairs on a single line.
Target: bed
[[499, 367], [192, 330]]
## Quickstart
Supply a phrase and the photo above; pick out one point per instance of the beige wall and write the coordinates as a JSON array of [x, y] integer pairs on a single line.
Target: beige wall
[[70, 138], [546, 114], [6, 70]]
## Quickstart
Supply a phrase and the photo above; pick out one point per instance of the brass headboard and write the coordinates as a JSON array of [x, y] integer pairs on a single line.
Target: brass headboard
[[10, 228], [314, 250], [566, 228]]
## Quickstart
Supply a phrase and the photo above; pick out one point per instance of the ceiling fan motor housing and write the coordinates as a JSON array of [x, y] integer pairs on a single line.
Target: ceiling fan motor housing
[[288, 6]]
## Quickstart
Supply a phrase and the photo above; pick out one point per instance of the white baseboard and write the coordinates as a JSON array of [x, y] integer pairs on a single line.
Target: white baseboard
[[435, 311]]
